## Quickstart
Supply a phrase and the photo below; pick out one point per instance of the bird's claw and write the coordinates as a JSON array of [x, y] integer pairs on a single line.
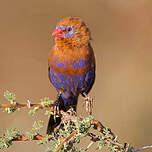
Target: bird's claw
[[56, 111], [72, 112], [89, 104], [56, 106]]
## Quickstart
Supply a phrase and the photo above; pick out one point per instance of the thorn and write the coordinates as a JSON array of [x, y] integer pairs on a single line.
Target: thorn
[[28, 104], [115, 140]]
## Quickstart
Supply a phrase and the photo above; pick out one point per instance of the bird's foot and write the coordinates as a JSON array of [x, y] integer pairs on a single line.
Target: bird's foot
[[89, 103], [56, 110], [68, 115], [72, 112]]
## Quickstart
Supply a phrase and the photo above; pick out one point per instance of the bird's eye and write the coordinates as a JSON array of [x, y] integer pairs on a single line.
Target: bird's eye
[[69, 29]]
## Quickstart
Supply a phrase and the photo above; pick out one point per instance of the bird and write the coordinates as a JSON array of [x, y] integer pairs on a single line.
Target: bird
[[71, 64]]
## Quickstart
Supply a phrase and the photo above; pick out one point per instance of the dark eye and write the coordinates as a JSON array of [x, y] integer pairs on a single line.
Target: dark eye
[[69, 29]]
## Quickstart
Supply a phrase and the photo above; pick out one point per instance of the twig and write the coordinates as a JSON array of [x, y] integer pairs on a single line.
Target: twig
[[64, 141], [25, 138], [100, 127], [90, 144], [143, 148], [67, 117], [107, 135], [19, 105]]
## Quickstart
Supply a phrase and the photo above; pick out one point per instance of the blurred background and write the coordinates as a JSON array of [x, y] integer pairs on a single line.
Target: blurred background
[[122, 42]]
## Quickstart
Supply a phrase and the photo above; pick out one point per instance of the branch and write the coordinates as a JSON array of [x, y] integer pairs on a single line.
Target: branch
[[143, 148], [25, 138], [69, 132], [64, 141], [26, 105], [107, 135]]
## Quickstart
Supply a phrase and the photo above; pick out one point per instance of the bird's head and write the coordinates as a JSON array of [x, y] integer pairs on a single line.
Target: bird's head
[[72, 30]]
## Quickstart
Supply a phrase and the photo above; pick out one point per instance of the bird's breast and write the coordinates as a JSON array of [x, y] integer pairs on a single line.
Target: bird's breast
[[76, 67], [71, 64]]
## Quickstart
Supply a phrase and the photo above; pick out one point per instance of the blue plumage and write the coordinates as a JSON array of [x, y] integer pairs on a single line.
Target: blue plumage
[[77, 63], [72, 85]]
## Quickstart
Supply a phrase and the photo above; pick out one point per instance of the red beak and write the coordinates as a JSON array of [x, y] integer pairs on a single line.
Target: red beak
[[58, 33]]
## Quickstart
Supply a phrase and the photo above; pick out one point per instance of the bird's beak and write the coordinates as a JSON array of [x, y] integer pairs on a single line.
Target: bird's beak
[[58, 33]]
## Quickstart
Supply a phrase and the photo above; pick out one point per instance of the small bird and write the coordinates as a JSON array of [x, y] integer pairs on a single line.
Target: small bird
[[71, 64]]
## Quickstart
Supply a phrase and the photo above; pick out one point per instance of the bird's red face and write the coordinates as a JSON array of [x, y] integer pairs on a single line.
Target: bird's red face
[[63, 31], [58, 32]]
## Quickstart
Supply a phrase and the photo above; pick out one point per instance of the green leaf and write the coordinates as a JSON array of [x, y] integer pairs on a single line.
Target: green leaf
[[48, 113], [112, 148], [46, 101], [36, 127], [101, 144], [10, 97], [9, 135], [106, 132], [10, 110], [33, 111]]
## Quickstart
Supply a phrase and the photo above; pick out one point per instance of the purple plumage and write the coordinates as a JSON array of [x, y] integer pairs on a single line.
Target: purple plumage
[[71, 62]]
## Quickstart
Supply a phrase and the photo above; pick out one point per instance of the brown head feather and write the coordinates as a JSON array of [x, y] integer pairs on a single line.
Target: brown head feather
[[81, 36]]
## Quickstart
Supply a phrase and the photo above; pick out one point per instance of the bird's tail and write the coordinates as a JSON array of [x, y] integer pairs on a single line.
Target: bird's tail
[[64, 104]]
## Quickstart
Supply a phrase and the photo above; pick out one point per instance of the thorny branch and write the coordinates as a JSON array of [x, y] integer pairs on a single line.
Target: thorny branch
[[106, 138], [67, 117], [25, 105], [25, 138]]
